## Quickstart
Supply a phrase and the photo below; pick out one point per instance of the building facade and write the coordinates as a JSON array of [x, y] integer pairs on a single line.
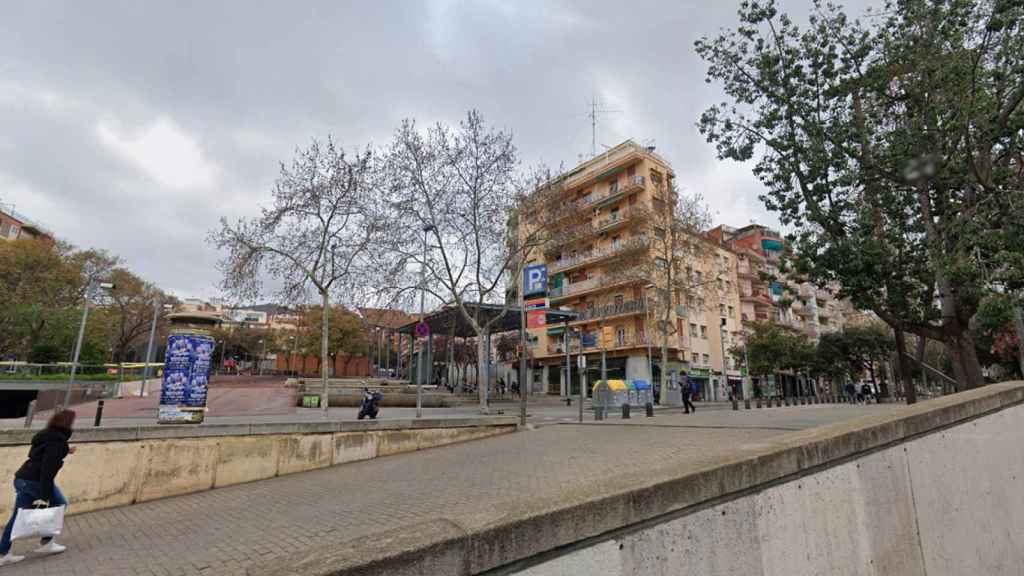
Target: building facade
[[611, 272], [17, 226]]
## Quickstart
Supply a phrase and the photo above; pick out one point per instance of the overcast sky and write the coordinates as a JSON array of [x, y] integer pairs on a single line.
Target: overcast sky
[[133, 126]]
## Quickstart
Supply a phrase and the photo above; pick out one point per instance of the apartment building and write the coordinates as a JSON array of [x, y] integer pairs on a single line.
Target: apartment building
[[15, 226], [607, 270]]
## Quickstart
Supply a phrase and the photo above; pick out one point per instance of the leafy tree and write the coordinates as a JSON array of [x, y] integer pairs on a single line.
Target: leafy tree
[[346, 333], [857, 349], [894, 149]]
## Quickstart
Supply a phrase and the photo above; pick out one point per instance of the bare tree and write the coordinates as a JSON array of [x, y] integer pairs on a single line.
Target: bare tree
[[460, 191], [681, 259], [315, 237]]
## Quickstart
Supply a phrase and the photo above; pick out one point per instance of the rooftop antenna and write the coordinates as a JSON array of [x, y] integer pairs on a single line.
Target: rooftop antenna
[[596, 109]]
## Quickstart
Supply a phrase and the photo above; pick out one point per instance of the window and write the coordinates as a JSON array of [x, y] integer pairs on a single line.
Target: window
[[697, 276], [632, 199], [721, 309], [707, 359], [630, 171], [4, 228], [728, 285], [696, 358], [721, 284], [616, 242], [659, 233], [704, 332], [618, 300], [613, 186], [660, 263], [693, 330], [732, 311], [656, 178], [620, 336]]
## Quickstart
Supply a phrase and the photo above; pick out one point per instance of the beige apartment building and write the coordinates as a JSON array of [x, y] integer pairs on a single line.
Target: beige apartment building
[[608, 271]]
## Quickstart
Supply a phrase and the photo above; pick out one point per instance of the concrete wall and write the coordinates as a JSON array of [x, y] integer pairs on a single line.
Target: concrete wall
[[931, 489], [945, 504], [119, 466]]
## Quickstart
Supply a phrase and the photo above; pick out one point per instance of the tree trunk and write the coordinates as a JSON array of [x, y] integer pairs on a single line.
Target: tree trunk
[[966, 366], [903, 368], [323, 353], [1018, 323], [483, 375]]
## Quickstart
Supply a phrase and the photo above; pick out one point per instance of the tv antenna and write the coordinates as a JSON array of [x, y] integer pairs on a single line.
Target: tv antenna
[[596, 109]]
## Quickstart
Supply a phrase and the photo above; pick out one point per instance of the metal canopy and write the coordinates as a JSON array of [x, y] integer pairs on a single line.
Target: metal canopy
[[442, 321]]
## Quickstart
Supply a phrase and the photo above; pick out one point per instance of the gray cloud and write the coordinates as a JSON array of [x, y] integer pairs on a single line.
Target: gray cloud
[[134, 126]]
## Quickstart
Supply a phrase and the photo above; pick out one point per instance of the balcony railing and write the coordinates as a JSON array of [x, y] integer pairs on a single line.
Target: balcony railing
[[598, 254], [631, 184]]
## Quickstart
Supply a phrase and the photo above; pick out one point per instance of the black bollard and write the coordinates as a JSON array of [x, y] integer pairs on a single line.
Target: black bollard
[[99, 414], [625, 411], [746, 403], [759, 403], [735, 404], [649, 408]]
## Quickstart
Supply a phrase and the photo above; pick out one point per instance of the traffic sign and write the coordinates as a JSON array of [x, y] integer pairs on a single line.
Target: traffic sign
[[422, 330], [535, 279]]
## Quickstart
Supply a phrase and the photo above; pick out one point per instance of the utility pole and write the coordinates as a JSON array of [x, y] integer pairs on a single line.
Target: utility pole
[[725, 365], [81, 335], [149, 348], [423, 295]]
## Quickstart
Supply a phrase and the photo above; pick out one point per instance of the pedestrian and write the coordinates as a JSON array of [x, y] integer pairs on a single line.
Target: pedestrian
[[34, 481], [689, 391], [501, 386], [866, 392]]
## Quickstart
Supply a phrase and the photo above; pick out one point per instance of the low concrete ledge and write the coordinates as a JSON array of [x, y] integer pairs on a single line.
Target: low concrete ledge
[[155, 431], [121, 466], [547, 526]]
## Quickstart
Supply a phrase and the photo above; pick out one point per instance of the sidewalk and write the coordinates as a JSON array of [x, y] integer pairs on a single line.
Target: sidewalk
[[224, 531]]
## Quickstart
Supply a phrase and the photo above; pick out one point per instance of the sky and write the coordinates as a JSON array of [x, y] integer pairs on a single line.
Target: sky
[[134, 126]]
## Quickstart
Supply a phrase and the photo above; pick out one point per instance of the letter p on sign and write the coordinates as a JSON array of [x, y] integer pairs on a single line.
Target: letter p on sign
[[535, 280]]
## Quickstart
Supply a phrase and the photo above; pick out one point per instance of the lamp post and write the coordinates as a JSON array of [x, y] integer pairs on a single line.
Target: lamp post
[[263, 354], [423, 295], [81, 334], [149, 348], [647, 336], [292, 358]]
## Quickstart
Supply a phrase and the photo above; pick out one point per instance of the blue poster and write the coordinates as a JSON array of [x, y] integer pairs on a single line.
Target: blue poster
[[186, 376]]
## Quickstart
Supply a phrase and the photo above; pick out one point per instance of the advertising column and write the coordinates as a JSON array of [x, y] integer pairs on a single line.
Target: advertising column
[[186, 376]]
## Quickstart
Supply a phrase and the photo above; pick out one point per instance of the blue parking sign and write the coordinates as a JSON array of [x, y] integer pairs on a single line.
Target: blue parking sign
[[535, 280]]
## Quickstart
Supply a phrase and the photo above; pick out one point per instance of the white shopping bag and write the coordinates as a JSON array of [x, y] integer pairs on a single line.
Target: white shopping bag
[[38, 522]]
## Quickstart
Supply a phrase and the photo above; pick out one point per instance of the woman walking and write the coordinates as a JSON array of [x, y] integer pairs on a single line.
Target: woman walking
[[33, 482]]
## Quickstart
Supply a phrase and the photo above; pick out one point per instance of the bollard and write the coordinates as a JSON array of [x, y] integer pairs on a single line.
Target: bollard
[[649, 408], [759, 402], [786, 400], [99, 414], [568, 400], [598, 413], [746, 403], [30, 414], [625, 411], [735, 404]]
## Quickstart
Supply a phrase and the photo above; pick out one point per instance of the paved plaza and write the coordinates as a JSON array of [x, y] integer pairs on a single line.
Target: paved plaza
[[227, 530]]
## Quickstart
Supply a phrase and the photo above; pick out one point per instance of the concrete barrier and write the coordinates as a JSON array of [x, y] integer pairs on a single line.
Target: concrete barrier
[[120, 466], [930, 489]]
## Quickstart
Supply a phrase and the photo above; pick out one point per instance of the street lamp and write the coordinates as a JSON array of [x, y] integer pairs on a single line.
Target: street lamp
[[149, 348], [108, 286], [423, 295], [263, 355], [650, 361]]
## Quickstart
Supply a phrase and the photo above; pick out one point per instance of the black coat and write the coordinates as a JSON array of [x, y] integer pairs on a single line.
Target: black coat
[[45, 459]]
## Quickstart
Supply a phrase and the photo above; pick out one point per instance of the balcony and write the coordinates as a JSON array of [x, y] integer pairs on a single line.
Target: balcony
[[629, 275], [757, 297], [596, 255], [616, 191], [616, 219]]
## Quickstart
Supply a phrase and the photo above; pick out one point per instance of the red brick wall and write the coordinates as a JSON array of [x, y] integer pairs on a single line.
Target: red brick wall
[[344, 365]]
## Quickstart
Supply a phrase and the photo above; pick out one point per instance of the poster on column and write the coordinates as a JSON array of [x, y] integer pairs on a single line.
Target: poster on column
[[186, 376]]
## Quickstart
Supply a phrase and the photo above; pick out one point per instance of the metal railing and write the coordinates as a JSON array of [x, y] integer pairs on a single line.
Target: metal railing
[[627, 307], [598, 254]]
